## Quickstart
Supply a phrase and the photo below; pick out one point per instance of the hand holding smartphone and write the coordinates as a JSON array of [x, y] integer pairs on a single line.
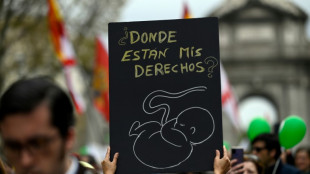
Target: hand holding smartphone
[[237, 153]]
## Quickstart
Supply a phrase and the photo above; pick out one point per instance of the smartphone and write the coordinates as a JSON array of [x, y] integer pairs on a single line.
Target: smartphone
[[237, 153]]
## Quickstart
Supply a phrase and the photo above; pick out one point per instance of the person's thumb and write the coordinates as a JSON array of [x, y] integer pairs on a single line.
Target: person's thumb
[[217, 154]]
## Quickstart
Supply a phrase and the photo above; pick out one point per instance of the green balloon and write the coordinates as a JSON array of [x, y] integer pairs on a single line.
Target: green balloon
[[258, 126], [83, 150], [227, 145], [292, 131]]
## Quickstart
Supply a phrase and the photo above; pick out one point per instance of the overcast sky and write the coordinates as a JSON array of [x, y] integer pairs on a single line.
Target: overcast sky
[[142, 10]]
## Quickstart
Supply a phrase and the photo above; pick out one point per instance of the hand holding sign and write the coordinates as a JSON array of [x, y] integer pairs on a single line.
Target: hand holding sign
[[109, 167], [221, 165]]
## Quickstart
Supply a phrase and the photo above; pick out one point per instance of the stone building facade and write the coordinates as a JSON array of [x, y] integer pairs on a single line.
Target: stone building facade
[[266, 55]]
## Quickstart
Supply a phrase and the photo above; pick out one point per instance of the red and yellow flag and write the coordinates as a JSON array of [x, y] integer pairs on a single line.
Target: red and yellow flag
[[63, 47], [101, 79], [64, 52], [186, 13]]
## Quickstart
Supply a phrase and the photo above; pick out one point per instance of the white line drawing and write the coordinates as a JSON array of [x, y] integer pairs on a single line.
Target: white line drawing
[[178, 135]]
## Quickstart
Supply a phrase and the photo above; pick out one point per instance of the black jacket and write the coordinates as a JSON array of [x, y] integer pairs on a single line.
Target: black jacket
[[283, 169]]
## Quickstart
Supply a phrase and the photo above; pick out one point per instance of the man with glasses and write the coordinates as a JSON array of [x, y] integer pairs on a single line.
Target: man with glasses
[[37, 128], [267, 148]]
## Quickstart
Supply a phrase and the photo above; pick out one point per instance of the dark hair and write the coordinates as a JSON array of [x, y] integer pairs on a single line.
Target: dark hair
[[91, 160], [258, 164], [271, 142], [25, 95]]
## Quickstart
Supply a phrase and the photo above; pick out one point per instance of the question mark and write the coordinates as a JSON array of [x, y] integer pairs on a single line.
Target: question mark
[[121, 41], [211, 60]]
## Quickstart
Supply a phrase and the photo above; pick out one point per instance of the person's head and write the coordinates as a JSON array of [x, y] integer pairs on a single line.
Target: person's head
[[252, 165], [249, 167], [36, 124], [302, 158], [267, 148], [287, 157]]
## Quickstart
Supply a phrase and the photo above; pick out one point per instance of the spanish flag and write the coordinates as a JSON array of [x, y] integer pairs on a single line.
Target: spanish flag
[[63, 47], [64, 52], [186, 13], [101, 79]]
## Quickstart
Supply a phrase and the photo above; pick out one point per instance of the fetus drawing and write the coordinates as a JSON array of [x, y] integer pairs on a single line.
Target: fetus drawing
[[170, 142]]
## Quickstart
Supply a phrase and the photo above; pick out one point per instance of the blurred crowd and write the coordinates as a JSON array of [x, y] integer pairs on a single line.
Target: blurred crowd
[[38, 135]]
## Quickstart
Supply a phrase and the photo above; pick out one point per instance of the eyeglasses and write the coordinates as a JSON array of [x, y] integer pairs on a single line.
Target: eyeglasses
[[33, 145], [258, 149]]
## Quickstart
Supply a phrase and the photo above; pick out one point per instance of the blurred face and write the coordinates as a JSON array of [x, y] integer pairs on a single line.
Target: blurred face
[[249, 168], [32, 145], [302, 160], [259, 149]]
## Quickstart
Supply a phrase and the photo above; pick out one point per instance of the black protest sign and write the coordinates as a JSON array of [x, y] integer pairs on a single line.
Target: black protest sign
[[165, 95]]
